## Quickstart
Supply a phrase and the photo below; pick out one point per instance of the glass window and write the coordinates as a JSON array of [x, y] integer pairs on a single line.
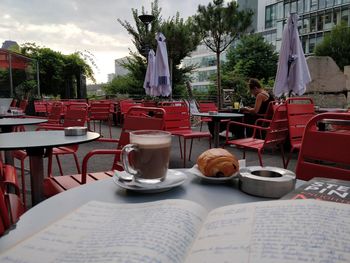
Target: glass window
[[329, 3], [279, 30], [313, 5], [279, 10], [336, 17], [337, 2], [306, 5], [304, 42], [300, 7], [328, 21], [345, 16], [293, 7], [312, 44], [306, 25], [320, 23], [286, 10], [313, 23], [321, 4], [270, 16]]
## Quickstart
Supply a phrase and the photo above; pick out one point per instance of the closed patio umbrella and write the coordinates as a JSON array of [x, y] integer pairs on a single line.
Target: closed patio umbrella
[[162, 67], [150, 84], [292, 72]]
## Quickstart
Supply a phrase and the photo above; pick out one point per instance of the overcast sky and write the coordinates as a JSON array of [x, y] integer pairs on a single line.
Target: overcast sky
[[77, 25]]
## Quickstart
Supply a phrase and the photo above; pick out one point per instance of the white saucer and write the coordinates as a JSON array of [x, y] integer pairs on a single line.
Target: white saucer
[[174, 178], [195, 171]]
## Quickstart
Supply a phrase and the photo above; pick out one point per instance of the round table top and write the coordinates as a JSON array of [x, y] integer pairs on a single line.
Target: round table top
[[219, 114], [20, 121], [209, 195], [35, 139]]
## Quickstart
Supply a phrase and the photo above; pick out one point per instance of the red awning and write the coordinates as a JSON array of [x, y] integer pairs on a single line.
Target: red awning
[[17, 61]]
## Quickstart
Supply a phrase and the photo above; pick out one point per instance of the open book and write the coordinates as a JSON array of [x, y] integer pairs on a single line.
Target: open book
[[182, 231]]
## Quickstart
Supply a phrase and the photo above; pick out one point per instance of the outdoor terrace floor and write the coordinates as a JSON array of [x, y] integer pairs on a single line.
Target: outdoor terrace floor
[[103, 163]]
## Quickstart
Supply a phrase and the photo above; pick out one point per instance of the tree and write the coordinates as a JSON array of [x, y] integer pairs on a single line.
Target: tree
[[181, 39], [219, 27], [336, 45], [57, 72], [252, 57]]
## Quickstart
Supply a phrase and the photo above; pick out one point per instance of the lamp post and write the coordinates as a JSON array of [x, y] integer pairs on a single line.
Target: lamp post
[[146, 20]]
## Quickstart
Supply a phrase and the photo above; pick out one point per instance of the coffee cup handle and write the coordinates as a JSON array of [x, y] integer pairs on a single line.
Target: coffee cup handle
[[127, 149]]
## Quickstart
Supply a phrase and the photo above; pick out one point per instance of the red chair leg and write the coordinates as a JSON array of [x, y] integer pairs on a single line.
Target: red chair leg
[[110, 127], [184, 152], [76, 162], [59, 165], [23, 184], [189, 156], [180, 146], [260, 159]]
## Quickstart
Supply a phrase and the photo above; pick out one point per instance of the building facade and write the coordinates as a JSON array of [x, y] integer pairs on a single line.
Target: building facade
[[316, 19]]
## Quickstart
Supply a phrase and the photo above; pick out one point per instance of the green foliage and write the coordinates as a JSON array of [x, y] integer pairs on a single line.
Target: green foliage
[[27, 89], [119, 85], [219, 26], [181, 39], [56, 70], [336, 45], [252, 57]]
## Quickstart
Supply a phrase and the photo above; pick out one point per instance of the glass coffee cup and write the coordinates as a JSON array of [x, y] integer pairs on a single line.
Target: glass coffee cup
[[147, 156]]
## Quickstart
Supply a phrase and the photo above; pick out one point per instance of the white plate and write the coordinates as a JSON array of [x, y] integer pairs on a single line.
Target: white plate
[[195, 171], [174, 178]]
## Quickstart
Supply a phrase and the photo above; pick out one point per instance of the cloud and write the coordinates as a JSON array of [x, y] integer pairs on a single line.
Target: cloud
[[68, 26]]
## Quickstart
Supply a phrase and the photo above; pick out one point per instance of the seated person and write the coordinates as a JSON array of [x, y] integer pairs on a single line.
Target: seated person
[[251, 114]]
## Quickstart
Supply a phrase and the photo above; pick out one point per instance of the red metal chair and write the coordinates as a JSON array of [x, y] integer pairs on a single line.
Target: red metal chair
[[276, 133], [100, 111], [206, 107], [325, 152], [11, 206], [177, 121], [40, 107], [137, 118], [300, 110], [23, 105]]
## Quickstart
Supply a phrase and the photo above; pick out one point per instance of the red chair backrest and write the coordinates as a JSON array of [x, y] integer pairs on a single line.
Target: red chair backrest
[[99, 110], [40, 106], [207, 106], [325, 153], [125, 105], [13, 103], [300, 110], [23, 104], [55, 112], [139, 118], [177, 116], [278, 129], [75, 115]]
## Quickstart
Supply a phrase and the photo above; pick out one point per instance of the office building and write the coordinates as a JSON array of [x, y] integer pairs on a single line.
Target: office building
[[316, 19]]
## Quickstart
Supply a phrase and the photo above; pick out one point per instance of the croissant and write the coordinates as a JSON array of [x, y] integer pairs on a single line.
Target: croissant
[[217, 162]]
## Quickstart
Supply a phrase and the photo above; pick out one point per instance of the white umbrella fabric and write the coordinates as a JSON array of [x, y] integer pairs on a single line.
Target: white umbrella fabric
[[162, 67], [292, 72], [150, 84]]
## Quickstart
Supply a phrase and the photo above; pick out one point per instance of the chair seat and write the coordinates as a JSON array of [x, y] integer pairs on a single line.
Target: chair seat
[[252, 143], [19, 154], [296, 144], [58, 184], [64, 150], [188, 134]]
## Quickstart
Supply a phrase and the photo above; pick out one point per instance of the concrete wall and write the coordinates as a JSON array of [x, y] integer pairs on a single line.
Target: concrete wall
[[329, 87]]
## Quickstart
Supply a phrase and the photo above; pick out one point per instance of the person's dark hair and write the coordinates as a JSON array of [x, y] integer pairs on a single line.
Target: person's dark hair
[[252, 83]]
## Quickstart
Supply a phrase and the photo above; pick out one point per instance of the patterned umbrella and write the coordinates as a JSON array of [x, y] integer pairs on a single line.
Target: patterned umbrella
[[162, 67], [292, 72]]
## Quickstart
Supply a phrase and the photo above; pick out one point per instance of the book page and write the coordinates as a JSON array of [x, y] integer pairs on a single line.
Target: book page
[[275, 232], [105, 232]]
